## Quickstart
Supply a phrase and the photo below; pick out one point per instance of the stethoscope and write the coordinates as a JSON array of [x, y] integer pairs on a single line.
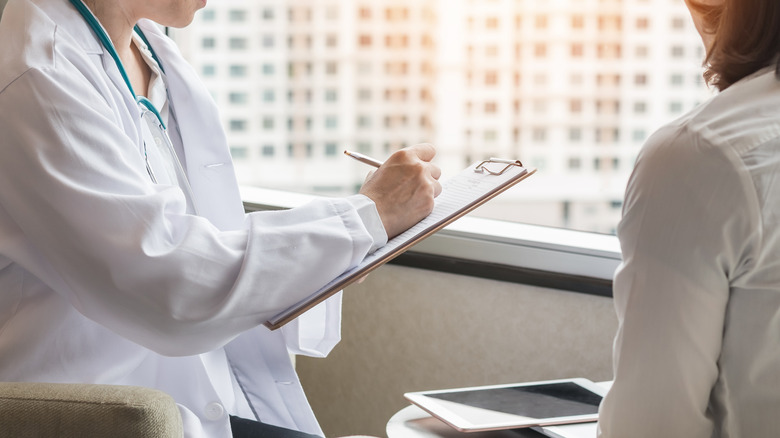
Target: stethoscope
[[149, 113]]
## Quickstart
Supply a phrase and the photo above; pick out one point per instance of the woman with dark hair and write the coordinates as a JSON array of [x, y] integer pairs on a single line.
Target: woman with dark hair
[[697, 352]]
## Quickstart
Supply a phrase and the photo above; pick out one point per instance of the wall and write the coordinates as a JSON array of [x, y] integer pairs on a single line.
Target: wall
[[407, 329]]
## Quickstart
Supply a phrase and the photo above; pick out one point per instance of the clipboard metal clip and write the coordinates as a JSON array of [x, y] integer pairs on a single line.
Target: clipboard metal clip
[[482, 167]]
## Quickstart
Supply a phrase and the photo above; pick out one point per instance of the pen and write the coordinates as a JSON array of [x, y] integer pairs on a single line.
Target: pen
[[363, 158]]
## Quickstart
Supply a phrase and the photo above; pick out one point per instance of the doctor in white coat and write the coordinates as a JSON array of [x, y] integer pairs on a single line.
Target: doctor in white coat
[[126, 260]]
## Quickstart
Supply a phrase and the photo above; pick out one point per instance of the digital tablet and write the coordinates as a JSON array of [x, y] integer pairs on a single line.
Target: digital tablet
[[512, 406]]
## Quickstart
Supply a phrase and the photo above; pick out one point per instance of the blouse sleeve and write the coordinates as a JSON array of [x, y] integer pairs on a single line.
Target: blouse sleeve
[[688, 227]]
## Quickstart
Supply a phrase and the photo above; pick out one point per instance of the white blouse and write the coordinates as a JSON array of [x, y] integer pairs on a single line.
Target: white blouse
[[697, 353]]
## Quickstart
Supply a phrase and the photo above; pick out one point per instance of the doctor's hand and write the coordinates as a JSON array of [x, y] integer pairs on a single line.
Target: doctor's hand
[[403, 188]]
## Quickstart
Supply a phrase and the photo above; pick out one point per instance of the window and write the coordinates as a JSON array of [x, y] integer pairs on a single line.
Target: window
[[571, 89], [208, 15], [237, 15], [238, 71], [238, 125], [491, 78], [239, 152], [577, 22], [237, 43], [238, 98]]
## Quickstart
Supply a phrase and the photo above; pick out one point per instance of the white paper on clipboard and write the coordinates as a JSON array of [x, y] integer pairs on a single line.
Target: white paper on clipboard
[[461, 194]]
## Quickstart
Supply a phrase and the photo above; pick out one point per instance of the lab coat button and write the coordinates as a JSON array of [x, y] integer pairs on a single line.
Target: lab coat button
[[214, 411]]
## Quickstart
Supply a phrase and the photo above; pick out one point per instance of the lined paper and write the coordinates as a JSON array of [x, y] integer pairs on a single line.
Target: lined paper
[[460, 194]]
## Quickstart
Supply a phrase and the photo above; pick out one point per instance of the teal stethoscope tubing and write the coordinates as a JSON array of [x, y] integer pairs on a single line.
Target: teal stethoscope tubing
[[95, 25]]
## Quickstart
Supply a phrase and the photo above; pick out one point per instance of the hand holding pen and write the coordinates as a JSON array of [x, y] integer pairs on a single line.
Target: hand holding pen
[[403, 187]]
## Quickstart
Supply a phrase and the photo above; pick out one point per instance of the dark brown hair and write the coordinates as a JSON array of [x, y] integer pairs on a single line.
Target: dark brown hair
[[746, 39]]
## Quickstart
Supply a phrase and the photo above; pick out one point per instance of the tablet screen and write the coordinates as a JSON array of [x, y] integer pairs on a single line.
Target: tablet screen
[[512, 406], [536, 401]]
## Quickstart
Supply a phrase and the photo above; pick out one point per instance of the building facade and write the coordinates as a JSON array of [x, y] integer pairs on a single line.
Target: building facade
[[570, 87]]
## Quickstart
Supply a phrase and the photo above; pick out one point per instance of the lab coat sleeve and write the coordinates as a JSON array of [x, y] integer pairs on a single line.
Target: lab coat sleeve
[[86, 220], [317, 331], [688, 229]]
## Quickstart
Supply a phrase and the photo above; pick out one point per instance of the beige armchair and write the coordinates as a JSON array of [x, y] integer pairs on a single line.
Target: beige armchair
[[49, 410]]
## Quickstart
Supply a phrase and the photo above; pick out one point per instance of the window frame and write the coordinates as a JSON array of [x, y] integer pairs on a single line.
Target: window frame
[[556, 258]]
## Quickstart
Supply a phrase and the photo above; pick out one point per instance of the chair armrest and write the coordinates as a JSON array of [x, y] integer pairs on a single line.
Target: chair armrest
[[86, 411]]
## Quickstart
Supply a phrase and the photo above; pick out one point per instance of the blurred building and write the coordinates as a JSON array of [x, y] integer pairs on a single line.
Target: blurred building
[[570, 87]]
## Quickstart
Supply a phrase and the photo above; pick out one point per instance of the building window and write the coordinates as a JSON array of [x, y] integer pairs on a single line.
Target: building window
[[208, 15], [575, 134], [577, 22], [678, 23], [238, 125], [267, 150], [208, 43], [238, 98], [237, 43], [238, 71], [239, 152], [237, 15], [491, 78], [208, 70]]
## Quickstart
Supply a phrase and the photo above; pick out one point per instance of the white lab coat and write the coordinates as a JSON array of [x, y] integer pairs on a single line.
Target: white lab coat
[[697, 353], [104, 278]]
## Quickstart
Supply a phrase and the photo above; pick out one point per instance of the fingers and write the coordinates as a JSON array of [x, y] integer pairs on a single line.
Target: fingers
[[425, 151], [436, 188], [403, 188]]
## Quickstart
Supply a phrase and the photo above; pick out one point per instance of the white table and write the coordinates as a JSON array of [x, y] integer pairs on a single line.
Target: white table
[[413, 422]]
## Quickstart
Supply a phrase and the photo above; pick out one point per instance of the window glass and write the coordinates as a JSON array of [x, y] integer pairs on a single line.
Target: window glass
[[570, 87]]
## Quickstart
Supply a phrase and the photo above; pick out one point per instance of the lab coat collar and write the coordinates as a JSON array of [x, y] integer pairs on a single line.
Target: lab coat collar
[[68, 19]]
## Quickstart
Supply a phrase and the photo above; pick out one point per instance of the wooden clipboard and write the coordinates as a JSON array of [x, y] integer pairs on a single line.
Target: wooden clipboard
[[461, 194]]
